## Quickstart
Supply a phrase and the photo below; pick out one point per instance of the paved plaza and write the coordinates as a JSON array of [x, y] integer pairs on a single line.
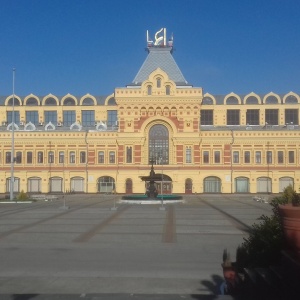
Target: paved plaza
[[92, 249]]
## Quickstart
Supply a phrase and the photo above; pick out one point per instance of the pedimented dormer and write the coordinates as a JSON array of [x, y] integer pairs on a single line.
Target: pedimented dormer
[[158, 84]]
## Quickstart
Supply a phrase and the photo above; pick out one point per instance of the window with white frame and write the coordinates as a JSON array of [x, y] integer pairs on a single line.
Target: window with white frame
[[72, 157], [29, 157], [247, 157], [40, 157], [280, 157], [61, 156], [236, 157], [82, 157], [257, 157], [129, 154], [188, 155], [291, 157], [100, 157], [217, 157], [269, 157], [112, 157], [50, 157], [205, 157], [8, 157]]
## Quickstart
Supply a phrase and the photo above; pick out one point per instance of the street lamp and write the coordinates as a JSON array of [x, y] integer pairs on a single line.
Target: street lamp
[[162, 183], [12, 158]]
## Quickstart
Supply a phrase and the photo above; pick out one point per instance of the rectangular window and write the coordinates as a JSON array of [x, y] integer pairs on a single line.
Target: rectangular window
[[112, 157], [205, 157], [69, 117], [217, 157], [112, 118], [40, 157], [291, 116], [29, 158], [280, 157], [269, 157], [247, 157], [257, 157], [129, 155], [50, 157], [236, 157], [101, 157], [18, 157], [291, 157], [72, 157], [233, 117], [88, 118], [9, 116], [50, 116], [82, 157], [207, 117], [33, 117], [271, 116], [61, 156], [188, 155], [8, 157], [252, 117]]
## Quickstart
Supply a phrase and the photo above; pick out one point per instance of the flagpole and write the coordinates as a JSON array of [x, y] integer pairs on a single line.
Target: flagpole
[[12, 158]]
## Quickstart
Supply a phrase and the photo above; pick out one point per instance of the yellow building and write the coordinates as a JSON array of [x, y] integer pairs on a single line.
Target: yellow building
[[199, 143]]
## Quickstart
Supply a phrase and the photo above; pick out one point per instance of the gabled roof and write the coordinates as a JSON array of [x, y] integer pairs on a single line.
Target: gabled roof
[[160, 57]]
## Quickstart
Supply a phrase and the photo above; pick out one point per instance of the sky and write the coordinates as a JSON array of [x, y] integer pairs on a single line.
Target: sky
[[94, 46]]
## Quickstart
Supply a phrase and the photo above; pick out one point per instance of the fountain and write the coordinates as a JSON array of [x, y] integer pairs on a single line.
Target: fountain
[[151, 195]]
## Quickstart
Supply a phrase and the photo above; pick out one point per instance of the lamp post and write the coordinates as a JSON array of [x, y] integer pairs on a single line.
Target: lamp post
[[12, 158], [231, 157], [162, 184]]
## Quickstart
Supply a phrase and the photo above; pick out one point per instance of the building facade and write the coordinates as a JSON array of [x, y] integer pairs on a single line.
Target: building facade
[[199, 143]]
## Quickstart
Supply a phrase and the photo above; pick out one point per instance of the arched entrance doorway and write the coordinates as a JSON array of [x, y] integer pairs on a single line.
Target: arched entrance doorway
[[242, 185], [285, 182], [105, 184], [77, 184], [188, 186], [128, 186], [34, 185], [16, 185], [56, 185], [264, 185], [212, 184]]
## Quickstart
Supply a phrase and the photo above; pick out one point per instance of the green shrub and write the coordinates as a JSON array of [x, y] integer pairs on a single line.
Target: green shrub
[[290, 196], [265, 241], [22, 196]]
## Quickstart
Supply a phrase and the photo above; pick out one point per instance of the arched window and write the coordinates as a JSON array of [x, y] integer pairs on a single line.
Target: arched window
[[212, 184], [105, 184], [232, 100], [69, 102], [32, 102], [207, 101], [13, 102], [168, 90], [50, 102], [111, 101], [88, 102], [252, 100], [271, 100], [158, 82], [159, 145], [291, 99], [149, 90]]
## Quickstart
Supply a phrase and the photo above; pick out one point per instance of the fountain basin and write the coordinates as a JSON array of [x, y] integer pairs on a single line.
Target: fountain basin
[[144, 199]]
